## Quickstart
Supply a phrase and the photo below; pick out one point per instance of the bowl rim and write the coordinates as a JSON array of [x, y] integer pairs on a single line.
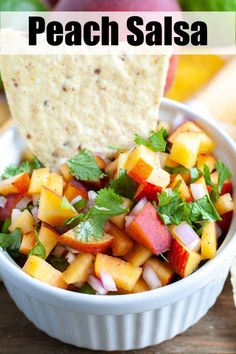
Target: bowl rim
[[137, 302]]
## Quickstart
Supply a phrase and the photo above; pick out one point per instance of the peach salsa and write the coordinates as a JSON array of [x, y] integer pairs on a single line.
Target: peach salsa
[[148, 217]]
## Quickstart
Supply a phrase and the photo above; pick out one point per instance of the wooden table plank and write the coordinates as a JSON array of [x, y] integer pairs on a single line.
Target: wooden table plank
[[215, 333]]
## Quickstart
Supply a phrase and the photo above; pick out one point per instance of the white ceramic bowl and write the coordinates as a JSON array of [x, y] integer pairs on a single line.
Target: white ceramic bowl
[[131, 321]]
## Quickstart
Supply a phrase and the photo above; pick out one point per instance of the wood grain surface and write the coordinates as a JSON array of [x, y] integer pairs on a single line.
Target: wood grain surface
[[215, 333]]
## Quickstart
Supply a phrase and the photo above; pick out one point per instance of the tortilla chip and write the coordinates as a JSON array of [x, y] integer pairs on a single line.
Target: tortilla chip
[[63, 102]]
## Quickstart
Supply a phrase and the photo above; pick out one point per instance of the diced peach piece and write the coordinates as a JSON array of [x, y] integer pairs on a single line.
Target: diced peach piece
[[55, 183], [224, 204], [162, 269], [18, 184], [209, 241], [74, 189], [100, 162], [159, 177], [78, 271], [51, 210], [182, 260], [140, 286], [147, 190], [119, 220], [41, 270], [25, 222], [148, 229], [48, 237], [185, 149], [124, 274], [113, 169], [207, 145], [39, 178], [138, 255], [208, 160], [12, 200], [140, 163], [65, 171], [183, 188], [171, 163], [27, 243], [227, 186], [121, 243], [42, 178], [94, 246]]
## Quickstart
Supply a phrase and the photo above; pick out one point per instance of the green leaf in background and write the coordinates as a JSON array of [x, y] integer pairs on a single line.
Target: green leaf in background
[[39, 249], [208, 5], [22, 5], [58, 262], [87, 289]]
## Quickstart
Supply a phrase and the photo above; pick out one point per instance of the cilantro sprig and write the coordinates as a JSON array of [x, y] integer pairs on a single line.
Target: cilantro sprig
[[124, 185], [175, 210], [26, 166], [107, 204], [156, 142], [39, 249], [223, 175], [84, 167], [10, 241]]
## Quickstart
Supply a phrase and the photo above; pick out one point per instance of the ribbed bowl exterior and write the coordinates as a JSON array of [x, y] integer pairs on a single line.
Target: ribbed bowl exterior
[[118, 332]]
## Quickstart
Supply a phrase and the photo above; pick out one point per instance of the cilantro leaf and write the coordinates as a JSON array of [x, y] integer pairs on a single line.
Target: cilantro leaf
[[195, 173], [39, 249], [87, 289], [84, 167], [107, 204], [203, 209], [156, 142], [58, 262], [5, 226], [12, 241], [74, 221], [223, 175], [65, 204], [26, 166], [124, 185]]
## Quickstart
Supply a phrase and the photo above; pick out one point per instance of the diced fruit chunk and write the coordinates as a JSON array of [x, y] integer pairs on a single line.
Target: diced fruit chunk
[[140, 163], [25, 222], [209, 241], [207, 145], [140, 286], [65, 171], [42, 178], [39, 269], [208, 160], [55, 183], [113, 169], [78, 271], [159, 177], [51, 210], [138, 256], [162, 269], [100, 162], [27, 243], [94, 246], [182, 260], [183, 188], [224, 204], [48, 237], [185, 149], [121, 243], [124, 274], [147, 190], [148, 229], [119, 220], [74, 189], [18, 184]]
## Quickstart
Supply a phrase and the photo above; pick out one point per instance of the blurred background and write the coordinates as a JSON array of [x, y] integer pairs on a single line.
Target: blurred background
[[207, 82]]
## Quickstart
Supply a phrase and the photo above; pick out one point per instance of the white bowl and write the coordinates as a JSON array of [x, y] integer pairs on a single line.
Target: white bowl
[[131, 321]]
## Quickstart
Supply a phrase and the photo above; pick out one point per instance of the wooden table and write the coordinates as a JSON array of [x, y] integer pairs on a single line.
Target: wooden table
[[215, 333]]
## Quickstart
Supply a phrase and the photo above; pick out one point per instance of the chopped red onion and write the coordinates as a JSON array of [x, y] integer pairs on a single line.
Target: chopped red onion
[[218, 231], [139, 206], [188, 236], [22, 204], [34, 212], [97, 285], [76, 199], [14, 215], [72, 250], [58, 251], [198, 190], [108, 282], [128, 220], [3, 202], [70, 257], [35, 199], [150, 277]]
